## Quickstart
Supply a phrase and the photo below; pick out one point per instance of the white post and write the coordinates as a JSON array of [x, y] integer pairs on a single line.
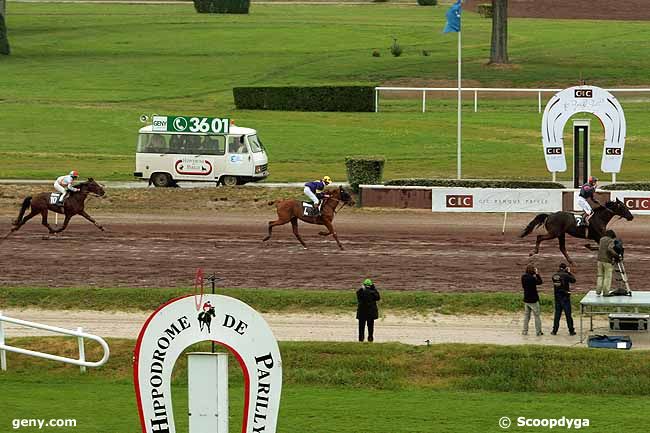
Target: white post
[[554, 176], [459, 165], [424, 101], [505, 218], [82, 351], [376, 100], [539, 102], [476, 101], [3, 354], [613, 177], [207, 375]]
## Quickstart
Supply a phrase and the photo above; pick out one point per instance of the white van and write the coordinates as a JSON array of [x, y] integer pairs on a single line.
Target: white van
[[176, 149]]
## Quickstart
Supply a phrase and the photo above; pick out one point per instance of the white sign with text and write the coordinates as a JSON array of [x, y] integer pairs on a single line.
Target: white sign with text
[[495, 200]]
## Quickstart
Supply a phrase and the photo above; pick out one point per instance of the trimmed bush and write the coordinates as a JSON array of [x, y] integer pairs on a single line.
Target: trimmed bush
[[641, 186], [485, 10], [4, 41], [364, 170], [395, 49], [325, 98], [222, 6], [474, 183], [427, 2]]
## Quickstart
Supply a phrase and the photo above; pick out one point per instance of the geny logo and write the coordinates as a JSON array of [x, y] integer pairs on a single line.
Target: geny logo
[[460, 201]]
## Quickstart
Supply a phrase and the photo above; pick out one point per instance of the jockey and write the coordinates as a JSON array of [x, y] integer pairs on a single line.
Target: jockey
[[314, 190], [63, 184], [587, 194], [206, 306]]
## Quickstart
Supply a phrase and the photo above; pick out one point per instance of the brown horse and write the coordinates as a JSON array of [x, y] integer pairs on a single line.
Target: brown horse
[[559, 224], [292, 210], [73, 205]]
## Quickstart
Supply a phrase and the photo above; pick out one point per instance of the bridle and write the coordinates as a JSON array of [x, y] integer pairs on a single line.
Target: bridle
[[338, 200]]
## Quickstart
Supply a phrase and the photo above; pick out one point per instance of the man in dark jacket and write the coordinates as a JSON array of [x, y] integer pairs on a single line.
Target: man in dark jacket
[[562, 281], [529, 282], [367, 297]]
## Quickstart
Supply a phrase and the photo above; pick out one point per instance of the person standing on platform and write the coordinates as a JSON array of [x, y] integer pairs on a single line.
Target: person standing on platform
[[562, 281], [529, 282], [606, 256], [367, 312]]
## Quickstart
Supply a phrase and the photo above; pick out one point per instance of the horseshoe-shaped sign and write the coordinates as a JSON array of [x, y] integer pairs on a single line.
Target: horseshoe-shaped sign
[[233, 324], [584, 99]]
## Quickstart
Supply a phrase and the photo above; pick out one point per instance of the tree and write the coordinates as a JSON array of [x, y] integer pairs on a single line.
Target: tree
[[499, 49], [4, 42]]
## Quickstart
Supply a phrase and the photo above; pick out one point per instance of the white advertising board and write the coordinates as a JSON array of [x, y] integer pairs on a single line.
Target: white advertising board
[[495, 200], [227, 321], [637, 201]]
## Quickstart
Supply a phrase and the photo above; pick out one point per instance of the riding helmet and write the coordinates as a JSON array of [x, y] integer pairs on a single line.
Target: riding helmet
[[74, 173]]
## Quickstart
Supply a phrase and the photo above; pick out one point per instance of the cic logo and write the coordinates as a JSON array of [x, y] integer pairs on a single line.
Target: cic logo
[[554, 151], [613, 151], [459, 201], [584, 93], [637, 203]]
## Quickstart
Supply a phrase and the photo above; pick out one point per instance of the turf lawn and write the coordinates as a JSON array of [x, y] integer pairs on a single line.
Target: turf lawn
[[80, 76], [357, 388]]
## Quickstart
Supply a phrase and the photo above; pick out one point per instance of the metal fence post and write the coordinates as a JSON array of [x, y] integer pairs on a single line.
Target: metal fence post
[[82, 351], [424, 101], [376, 100], [476, 101], [3, 354], [539, 102]]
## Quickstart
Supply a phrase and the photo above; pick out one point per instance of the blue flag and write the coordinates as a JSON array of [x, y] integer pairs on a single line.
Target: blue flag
[[453, 18]]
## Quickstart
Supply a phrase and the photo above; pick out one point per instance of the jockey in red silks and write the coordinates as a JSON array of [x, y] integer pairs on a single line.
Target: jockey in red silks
[[63, 184], [206, 306]]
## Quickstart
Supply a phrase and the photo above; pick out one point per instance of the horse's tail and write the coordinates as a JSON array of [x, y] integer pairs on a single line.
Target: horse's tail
[[23, 208], [536, 222]]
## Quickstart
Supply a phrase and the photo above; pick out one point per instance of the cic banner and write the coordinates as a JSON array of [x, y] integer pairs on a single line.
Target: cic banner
[[495, 200]]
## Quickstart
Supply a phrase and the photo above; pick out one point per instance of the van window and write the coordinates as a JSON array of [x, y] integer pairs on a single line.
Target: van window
[[256, 144], [182, 144], [236, 144]]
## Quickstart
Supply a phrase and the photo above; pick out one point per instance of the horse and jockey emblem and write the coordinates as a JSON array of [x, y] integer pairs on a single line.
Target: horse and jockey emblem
[[205, 316]]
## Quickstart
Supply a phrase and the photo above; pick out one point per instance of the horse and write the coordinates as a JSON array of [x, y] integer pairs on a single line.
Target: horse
[[559, 224], [205, 318], [73, 205], [290, 210]]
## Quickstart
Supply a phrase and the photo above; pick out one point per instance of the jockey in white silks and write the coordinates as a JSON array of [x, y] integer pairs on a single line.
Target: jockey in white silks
[[63, 184]]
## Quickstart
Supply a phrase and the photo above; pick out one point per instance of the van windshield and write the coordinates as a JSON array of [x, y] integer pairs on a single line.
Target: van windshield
[[255, 143], [182, 144]]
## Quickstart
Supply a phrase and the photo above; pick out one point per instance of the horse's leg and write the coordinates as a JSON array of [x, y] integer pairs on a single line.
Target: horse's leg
[[294, 227], [540, 239], [324, 233], [272, 224], [89, 218], [45, 223], [330, 227], [65, 224], [562, 241], [22, 222]]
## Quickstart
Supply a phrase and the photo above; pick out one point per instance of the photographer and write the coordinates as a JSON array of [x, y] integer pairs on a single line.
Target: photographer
[[367, 312], [562, 281], [529, 282], [606, 257]]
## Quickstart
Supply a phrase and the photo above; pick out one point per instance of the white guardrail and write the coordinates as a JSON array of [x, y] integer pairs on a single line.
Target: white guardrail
[[81, 362], [476, 91]]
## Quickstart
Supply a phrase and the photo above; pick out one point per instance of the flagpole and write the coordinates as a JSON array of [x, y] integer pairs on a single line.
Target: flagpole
[[458, 156]]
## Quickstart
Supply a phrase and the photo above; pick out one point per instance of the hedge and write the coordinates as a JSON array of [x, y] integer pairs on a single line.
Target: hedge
[[640, 186], [323, 98], [475, 183], [485, 10], [427, 2], [364, 170], [222, 6], [4, 41]]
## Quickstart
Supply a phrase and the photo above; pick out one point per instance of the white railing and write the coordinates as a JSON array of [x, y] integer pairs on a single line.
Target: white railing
[[476, 91], [81, 362]]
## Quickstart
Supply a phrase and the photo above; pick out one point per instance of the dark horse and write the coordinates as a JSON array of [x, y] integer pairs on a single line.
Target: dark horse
[[205, 318], [558, 224], [291, 211], [74, 205]]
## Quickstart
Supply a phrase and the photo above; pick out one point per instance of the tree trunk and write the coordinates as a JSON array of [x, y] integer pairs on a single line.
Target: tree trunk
[[499, 49], [4, 42]]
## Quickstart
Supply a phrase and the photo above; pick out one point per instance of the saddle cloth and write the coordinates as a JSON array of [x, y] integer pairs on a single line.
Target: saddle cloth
[[54, 197], [307, 208], [579, 219]]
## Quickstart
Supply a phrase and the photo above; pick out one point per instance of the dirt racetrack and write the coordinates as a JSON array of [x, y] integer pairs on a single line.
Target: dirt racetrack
[[401, 250]]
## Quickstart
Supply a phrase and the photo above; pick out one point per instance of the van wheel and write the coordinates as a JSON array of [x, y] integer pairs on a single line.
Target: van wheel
[[161, 180], [229, 180]]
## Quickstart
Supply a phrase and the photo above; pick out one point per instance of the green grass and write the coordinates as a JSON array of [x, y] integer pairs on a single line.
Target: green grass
[[268, 300], [360, 388], [80, 76]]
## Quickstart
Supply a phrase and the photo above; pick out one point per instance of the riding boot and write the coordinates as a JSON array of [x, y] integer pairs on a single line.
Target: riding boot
[[316, 210], [62, 197]]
